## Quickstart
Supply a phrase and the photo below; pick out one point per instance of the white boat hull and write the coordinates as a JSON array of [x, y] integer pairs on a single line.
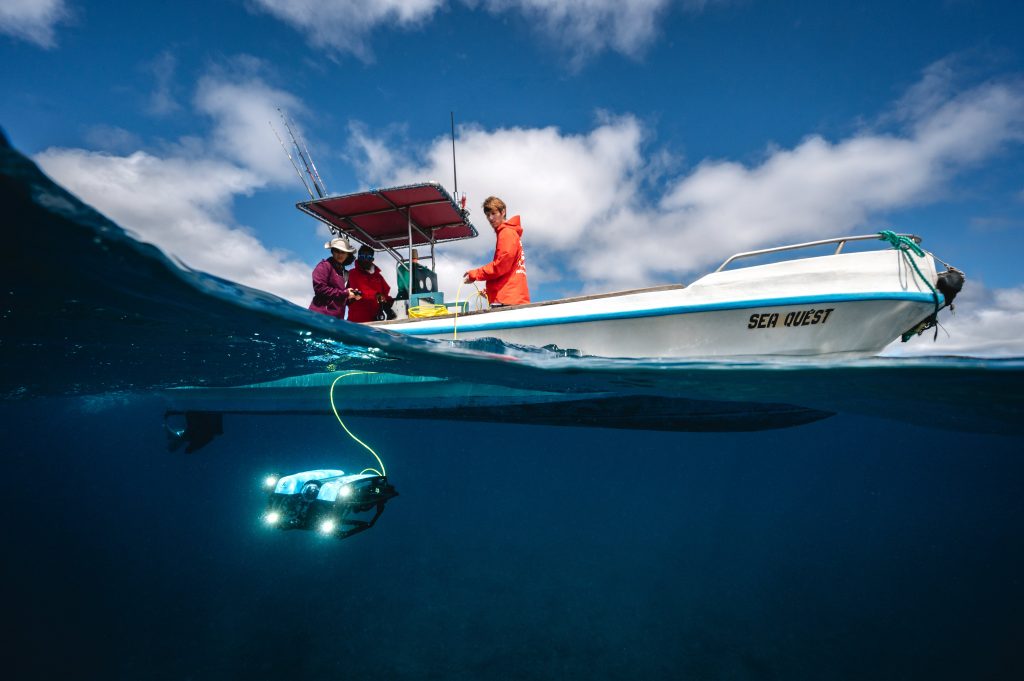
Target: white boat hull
[[845, 305]]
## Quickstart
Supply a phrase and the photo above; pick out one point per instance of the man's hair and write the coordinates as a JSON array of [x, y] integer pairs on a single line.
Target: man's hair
[[494, 202]]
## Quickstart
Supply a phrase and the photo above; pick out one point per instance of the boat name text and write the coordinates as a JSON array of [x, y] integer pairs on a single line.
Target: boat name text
[[770, 320]]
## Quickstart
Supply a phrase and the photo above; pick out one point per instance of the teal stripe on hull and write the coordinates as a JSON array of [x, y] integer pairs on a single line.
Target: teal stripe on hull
[[471, 325]]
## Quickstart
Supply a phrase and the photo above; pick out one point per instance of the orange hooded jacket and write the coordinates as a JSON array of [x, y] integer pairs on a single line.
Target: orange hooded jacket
[[506, 274]]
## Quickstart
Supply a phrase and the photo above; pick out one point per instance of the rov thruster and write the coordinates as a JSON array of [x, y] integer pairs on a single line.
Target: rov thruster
[[326, 501]]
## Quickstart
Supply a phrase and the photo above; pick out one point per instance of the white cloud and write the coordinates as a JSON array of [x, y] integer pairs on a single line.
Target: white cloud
[[589, 27], [344, 25], [821, 188], [986, 323], [564, 186], [180, 201], [581, 27], [162, 100], [243, 111], [180, 205], [32, 20], [112, 138], [562, 182]]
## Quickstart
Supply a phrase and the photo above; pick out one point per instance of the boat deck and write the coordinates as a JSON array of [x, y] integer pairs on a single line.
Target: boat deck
[[596, 296]]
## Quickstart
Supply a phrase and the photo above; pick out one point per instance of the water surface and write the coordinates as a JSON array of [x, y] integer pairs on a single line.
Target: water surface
[[672, 526]]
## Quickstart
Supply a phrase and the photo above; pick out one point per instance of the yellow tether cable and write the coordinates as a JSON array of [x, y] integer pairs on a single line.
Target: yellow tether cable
[[380, 472], [458, 296], [419, 311]]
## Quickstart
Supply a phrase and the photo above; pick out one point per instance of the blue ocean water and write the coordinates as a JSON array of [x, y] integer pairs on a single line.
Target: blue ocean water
[[754, 520]]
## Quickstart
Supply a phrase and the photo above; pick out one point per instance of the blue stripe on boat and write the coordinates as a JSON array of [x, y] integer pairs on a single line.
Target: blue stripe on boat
[[471, 325]]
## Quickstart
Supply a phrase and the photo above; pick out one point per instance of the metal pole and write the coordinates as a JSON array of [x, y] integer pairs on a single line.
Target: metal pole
[[408, 215]]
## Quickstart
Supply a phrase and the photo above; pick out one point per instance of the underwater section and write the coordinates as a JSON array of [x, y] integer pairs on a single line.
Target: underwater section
[[846, 548]]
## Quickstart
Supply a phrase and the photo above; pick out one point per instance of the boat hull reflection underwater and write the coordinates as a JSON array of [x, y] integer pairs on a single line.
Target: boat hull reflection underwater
[[194, 415]]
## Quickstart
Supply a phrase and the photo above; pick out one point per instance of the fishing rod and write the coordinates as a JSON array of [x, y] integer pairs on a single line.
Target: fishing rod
[[305, 162], [289, 155], [323, 187]]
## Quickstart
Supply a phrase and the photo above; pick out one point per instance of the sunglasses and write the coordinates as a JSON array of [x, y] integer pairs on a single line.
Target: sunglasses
[[365, 256]]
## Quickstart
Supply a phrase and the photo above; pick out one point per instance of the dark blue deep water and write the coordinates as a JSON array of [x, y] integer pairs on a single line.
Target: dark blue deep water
[[774, 521]]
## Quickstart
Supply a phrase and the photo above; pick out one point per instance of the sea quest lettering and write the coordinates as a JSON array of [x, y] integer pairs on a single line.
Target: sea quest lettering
[[770, 320]]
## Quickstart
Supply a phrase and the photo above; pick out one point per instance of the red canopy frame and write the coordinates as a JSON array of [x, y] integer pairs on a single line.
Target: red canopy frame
[[396, 217]]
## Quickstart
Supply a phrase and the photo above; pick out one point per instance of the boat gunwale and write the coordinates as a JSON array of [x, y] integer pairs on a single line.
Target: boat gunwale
[[675, 310]]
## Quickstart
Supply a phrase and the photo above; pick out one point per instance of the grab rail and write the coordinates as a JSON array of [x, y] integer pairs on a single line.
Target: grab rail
[[839, 240]]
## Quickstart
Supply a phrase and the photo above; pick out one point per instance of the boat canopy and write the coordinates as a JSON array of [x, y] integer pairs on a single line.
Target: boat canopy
[[395, 217]]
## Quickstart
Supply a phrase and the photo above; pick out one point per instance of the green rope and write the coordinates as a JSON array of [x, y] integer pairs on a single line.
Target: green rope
[[902, 243]]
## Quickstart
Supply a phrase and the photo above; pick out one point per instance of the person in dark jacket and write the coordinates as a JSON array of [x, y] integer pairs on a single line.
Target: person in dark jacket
[[366, 277], [331, 291]]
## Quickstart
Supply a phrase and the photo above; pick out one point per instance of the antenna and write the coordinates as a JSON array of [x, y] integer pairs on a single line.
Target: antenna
[[454, 169]]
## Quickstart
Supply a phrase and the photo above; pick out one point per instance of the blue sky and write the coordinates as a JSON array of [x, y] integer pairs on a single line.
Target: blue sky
[[642, 142]]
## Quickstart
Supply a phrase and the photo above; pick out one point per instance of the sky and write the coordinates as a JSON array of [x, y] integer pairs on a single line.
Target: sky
[[641, 142]]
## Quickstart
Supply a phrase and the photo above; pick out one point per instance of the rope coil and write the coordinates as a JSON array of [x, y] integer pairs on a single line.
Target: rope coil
[[427, 310]]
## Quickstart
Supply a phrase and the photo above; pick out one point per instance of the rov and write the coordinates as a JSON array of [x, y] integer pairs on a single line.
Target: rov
[[326, 501]]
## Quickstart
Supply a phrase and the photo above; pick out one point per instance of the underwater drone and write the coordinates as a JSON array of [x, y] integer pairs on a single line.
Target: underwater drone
[[326, 501]]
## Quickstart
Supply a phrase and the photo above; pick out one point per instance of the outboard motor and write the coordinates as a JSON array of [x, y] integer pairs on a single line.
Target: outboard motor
[[949, 284], [199, 430]]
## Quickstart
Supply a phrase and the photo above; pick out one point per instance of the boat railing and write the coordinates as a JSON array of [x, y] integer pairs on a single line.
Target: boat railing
[[840, 242]]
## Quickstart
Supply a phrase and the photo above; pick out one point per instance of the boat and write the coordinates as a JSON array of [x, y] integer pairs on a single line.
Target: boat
[[843, 304]]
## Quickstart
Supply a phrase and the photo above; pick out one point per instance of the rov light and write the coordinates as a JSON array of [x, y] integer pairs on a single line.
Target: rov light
[[270, 481], [345, 491], [272, 518], [327, 526]]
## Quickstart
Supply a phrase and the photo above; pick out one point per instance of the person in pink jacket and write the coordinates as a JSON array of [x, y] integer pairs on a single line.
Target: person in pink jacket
[[506, 274], [331, 291]]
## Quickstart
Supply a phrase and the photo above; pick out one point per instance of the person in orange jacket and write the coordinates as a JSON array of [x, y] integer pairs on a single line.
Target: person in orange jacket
[[506, 274], [366, 278]]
